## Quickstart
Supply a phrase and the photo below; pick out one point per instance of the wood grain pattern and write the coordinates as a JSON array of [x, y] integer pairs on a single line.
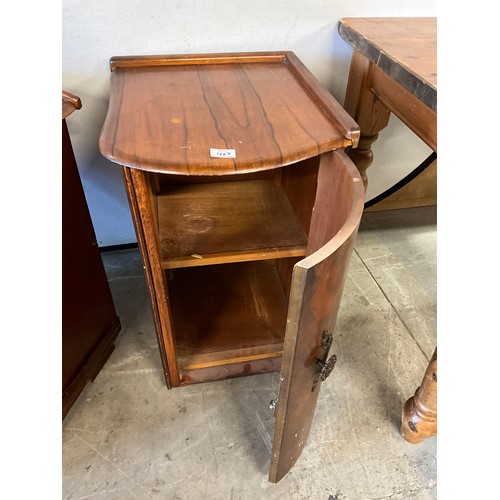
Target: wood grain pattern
[[323, 99], [211, 223], [404, 48], [317, 286], [165, 117]]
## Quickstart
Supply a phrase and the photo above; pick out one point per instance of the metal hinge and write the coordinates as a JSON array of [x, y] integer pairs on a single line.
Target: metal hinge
[[272, 404], [325, 366]]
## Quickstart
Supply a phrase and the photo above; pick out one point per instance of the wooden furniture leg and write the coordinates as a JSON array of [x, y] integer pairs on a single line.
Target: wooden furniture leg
[[366, 109], [419, 419]]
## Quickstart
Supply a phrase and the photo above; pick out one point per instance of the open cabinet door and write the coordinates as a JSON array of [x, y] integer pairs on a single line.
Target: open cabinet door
[[317, 286]]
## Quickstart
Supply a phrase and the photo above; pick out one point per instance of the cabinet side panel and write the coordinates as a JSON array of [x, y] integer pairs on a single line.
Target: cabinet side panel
[[299, 181], [153, 188], [89, 321], [144, 222]]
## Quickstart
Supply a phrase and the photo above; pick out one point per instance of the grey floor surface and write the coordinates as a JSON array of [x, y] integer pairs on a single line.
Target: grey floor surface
[[128, 437]]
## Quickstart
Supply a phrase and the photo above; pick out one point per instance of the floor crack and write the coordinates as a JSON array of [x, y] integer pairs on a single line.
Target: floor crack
[[393, 307], [403, 492], [112, 464]]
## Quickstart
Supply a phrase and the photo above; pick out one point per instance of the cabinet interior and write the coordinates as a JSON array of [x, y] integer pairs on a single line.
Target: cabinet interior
[[227, 248]]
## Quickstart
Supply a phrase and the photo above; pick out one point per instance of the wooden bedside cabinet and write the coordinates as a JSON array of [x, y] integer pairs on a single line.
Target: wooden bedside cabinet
[[246, 209]]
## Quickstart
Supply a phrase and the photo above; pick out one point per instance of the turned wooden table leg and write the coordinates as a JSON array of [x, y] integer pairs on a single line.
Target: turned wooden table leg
[[362, 156], [366, 109], [419, 419]]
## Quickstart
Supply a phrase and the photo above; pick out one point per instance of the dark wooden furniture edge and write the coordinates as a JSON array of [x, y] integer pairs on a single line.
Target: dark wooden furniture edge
[[321, 97], [91, 367], [422, 90], [70, 102]]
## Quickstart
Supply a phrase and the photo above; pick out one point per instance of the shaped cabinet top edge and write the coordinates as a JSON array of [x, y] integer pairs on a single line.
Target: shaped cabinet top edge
[[219, 114]]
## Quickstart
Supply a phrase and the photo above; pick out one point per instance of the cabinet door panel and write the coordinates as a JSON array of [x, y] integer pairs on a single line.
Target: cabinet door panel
[[316, 291]]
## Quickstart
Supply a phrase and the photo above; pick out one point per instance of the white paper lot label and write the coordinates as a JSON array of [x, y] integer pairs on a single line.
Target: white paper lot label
[[222, 153]]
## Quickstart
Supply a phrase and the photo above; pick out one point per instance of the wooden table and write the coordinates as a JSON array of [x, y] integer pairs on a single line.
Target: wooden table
[[246, 209], [393, 70]]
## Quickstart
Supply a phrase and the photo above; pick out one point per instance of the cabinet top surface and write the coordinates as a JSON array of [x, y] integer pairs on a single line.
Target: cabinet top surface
[[166, 113], [404, 47]]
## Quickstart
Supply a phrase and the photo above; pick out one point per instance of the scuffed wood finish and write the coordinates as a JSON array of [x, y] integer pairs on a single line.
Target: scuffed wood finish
[[393, 69], [419, 417], [402, 47], [202, 224], [317, 286], [166, 112]]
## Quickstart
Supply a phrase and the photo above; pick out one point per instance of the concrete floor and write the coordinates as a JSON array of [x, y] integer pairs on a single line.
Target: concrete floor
[[128, 437]]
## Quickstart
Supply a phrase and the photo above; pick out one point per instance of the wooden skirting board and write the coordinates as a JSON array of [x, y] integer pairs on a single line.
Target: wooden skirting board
[[419, 192]]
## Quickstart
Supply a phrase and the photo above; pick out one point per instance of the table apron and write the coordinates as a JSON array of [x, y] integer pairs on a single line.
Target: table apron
[[421, 119]]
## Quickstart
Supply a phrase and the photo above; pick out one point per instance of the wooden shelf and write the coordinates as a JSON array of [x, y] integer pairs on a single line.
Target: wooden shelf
[[227, 314], [213, 223]]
